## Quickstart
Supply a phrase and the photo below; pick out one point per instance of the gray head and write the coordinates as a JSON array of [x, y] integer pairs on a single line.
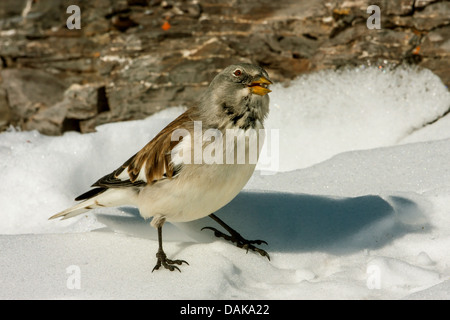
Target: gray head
[[238, 95]]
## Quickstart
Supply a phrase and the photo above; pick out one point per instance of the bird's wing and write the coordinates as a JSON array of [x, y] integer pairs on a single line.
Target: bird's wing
[[150, 165]]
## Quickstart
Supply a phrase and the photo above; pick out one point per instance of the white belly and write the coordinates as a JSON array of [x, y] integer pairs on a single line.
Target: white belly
[[200, 189], [198, 192]]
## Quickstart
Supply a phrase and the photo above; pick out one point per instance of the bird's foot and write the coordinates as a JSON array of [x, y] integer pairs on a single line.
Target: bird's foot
[[167, 263], [240, 241]]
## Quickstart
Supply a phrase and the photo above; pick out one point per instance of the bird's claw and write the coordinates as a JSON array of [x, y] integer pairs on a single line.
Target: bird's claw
[[167, 263], [241, 242]]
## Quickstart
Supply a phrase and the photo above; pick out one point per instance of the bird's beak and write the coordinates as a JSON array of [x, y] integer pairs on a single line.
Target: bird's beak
[[259, 86]]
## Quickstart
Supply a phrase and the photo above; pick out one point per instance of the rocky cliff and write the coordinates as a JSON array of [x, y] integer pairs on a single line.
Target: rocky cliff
[[132, 58]]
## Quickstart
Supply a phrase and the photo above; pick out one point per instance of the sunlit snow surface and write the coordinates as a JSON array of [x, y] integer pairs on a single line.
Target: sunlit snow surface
[[359, 208], [326, 113]]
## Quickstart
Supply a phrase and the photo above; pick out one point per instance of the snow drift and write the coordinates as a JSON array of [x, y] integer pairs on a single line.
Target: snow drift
[[359, 208]]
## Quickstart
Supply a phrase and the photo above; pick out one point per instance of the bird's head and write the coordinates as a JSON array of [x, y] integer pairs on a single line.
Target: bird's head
[[238, 89]]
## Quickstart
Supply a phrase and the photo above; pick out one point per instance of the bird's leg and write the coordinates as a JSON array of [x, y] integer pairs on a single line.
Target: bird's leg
[[236, 238], [161, 255]]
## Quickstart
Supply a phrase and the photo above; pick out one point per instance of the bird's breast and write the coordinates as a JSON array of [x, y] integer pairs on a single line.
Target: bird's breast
[[202, 187]]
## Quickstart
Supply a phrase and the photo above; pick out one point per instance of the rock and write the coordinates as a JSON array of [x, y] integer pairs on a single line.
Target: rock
[[82, 101], [132, 58], [28, 91], [432, 16], [5, 110], [400, 7], [434, 53], [123, 22], [436, 44], [418, 4], [47, 120]]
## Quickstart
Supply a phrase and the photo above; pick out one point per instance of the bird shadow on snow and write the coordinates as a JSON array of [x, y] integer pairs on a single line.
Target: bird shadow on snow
[[297, 222]]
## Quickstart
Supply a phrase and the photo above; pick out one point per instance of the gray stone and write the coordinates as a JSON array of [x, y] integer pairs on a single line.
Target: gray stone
[[432, 16], [47, 120], [82, 101], [122, 64], [5, 110], [423, 3], [28, 90], [400, 7]]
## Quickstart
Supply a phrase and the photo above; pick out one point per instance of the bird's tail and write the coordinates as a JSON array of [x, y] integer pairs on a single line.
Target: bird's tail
[[75, 210], [106, 198]]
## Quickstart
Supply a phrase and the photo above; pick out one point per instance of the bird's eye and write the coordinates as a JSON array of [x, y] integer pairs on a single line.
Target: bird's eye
[[237, 72]]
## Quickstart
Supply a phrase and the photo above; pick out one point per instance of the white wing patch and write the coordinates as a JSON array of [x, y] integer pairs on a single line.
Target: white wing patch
[[125, 176]]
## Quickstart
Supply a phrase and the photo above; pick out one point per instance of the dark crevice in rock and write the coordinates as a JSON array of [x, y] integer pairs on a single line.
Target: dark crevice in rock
[[102, 100], [309, 36], [71, 125], [4, 64]]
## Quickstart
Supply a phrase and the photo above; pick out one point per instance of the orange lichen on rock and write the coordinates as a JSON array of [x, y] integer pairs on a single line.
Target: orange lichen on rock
[[166, 25]]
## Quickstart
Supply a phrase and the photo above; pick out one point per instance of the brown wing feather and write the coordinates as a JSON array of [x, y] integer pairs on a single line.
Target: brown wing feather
[[154, 157]]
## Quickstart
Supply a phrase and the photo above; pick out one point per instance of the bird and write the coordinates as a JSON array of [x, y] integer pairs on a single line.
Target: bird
[[173, 179]]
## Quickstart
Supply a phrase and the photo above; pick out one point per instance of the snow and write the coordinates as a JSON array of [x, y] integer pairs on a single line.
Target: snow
[[359, 207]]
